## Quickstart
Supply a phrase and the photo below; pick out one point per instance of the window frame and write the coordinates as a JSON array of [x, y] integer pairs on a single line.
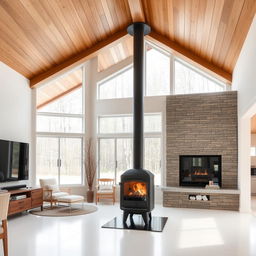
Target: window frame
[[129, 135], [60, 136], [81, 135], [167, 54], [110, 77], [198, 71], [172, 86], [127, 115]]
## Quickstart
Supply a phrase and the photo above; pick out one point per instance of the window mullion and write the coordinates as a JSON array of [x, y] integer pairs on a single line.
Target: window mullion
[[116, 159], [59, 165]]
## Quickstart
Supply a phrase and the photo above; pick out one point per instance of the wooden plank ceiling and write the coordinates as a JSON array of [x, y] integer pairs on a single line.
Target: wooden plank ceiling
[[58, 88], [40, 37]]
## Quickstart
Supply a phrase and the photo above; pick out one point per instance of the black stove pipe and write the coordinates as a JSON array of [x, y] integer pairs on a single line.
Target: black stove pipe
[[138, 30]]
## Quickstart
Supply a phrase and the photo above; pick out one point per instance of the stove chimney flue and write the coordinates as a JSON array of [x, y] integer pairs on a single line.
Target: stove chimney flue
[[138, 30]]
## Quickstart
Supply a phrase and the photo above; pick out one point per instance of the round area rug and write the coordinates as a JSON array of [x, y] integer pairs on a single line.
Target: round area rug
[[64, 211]]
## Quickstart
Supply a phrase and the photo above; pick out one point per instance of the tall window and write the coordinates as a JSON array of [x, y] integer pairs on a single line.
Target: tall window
[[117, 86], [157, 72], [60, 131], [63, 115], [116, 145], [190, 80]]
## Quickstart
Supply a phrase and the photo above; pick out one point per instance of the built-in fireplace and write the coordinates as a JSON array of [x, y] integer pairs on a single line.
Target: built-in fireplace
[[198, 171]]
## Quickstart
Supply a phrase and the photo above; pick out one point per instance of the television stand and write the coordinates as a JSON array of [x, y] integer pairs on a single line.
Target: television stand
[[34, 199]]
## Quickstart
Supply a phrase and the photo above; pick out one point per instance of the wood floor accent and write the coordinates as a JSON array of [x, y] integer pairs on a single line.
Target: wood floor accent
[[39, 38]]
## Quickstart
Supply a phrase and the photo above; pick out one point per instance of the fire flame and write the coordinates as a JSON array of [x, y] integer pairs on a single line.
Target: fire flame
[[201, 172], [137, 189]]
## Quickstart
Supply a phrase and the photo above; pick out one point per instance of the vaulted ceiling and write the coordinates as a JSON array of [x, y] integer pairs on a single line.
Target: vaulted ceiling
[[40, 37]]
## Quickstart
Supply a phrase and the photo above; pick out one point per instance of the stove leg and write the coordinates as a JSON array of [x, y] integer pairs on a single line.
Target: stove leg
[[131, 220], [150, 217], [145, 217], [125, 216]]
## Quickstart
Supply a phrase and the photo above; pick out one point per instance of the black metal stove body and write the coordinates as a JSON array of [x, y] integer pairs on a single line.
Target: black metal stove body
[[137, 184]]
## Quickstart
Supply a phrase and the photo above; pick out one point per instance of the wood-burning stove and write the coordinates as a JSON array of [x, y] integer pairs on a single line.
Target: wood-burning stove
[[137, 184], [137, 193]]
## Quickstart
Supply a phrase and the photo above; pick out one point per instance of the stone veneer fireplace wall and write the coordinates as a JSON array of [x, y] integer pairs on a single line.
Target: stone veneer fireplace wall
[[202, 124]]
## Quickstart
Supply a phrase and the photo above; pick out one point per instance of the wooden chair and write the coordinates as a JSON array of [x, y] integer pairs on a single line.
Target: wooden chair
[[4, 205], [105, 189], [51, 191]]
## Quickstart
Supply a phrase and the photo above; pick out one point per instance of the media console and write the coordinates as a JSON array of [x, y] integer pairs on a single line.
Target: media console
[[33, 198]]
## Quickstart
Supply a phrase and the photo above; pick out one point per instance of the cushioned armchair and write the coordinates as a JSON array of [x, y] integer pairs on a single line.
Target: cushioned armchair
[[4, 205], [105, 189], [52, 191]]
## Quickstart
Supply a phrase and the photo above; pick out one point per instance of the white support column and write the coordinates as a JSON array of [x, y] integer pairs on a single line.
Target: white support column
[[32, 150], [91, 68], [90, 78], [244, 174]]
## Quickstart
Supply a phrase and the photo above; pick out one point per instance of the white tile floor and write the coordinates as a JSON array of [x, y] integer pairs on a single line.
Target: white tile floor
[[187, 232]]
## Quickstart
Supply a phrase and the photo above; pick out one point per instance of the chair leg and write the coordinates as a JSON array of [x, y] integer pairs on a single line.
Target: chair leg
[[5, 240]]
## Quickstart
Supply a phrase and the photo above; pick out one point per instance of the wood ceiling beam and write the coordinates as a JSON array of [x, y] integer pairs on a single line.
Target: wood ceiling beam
[[179, 50], [59, 96], [75, 61], [136, 9]]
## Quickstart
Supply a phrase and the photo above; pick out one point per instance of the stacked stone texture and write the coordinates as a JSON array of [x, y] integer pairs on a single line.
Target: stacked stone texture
[[217, 201], [202, 124]]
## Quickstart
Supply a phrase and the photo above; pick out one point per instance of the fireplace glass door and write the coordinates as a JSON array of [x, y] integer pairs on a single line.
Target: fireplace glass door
[[199, 170], [135, 191]]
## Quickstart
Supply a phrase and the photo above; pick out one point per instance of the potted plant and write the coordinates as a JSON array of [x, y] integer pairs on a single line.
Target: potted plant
[[90, 168]]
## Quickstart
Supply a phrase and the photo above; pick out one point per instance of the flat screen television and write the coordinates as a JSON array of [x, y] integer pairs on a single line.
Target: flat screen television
[[14, 161]]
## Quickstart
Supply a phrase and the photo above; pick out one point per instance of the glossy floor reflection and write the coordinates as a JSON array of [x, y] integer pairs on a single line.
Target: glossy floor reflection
[[137, 223], [187, 232]]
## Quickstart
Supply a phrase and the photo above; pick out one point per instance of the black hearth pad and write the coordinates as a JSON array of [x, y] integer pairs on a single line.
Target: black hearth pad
[[157, 223]]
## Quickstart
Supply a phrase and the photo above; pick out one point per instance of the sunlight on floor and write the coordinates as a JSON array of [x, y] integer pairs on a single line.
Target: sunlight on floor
[[199, 232]]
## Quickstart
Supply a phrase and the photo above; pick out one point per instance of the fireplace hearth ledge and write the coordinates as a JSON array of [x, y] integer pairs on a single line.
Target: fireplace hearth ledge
[[200, 190]]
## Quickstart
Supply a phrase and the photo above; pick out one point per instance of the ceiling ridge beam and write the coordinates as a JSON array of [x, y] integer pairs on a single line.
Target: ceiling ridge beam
[[76, 60], [136, 10], [190, 56], [59, 96]]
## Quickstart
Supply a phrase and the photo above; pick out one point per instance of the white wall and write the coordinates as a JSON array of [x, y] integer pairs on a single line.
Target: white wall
[[15, 108], [253, 144], [244, 81]]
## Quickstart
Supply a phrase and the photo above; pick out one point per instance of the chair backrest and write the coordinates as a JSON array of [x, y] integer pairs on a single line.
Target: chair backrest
[[46, 182], [106, 183], [50, 183], [4, 205]]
